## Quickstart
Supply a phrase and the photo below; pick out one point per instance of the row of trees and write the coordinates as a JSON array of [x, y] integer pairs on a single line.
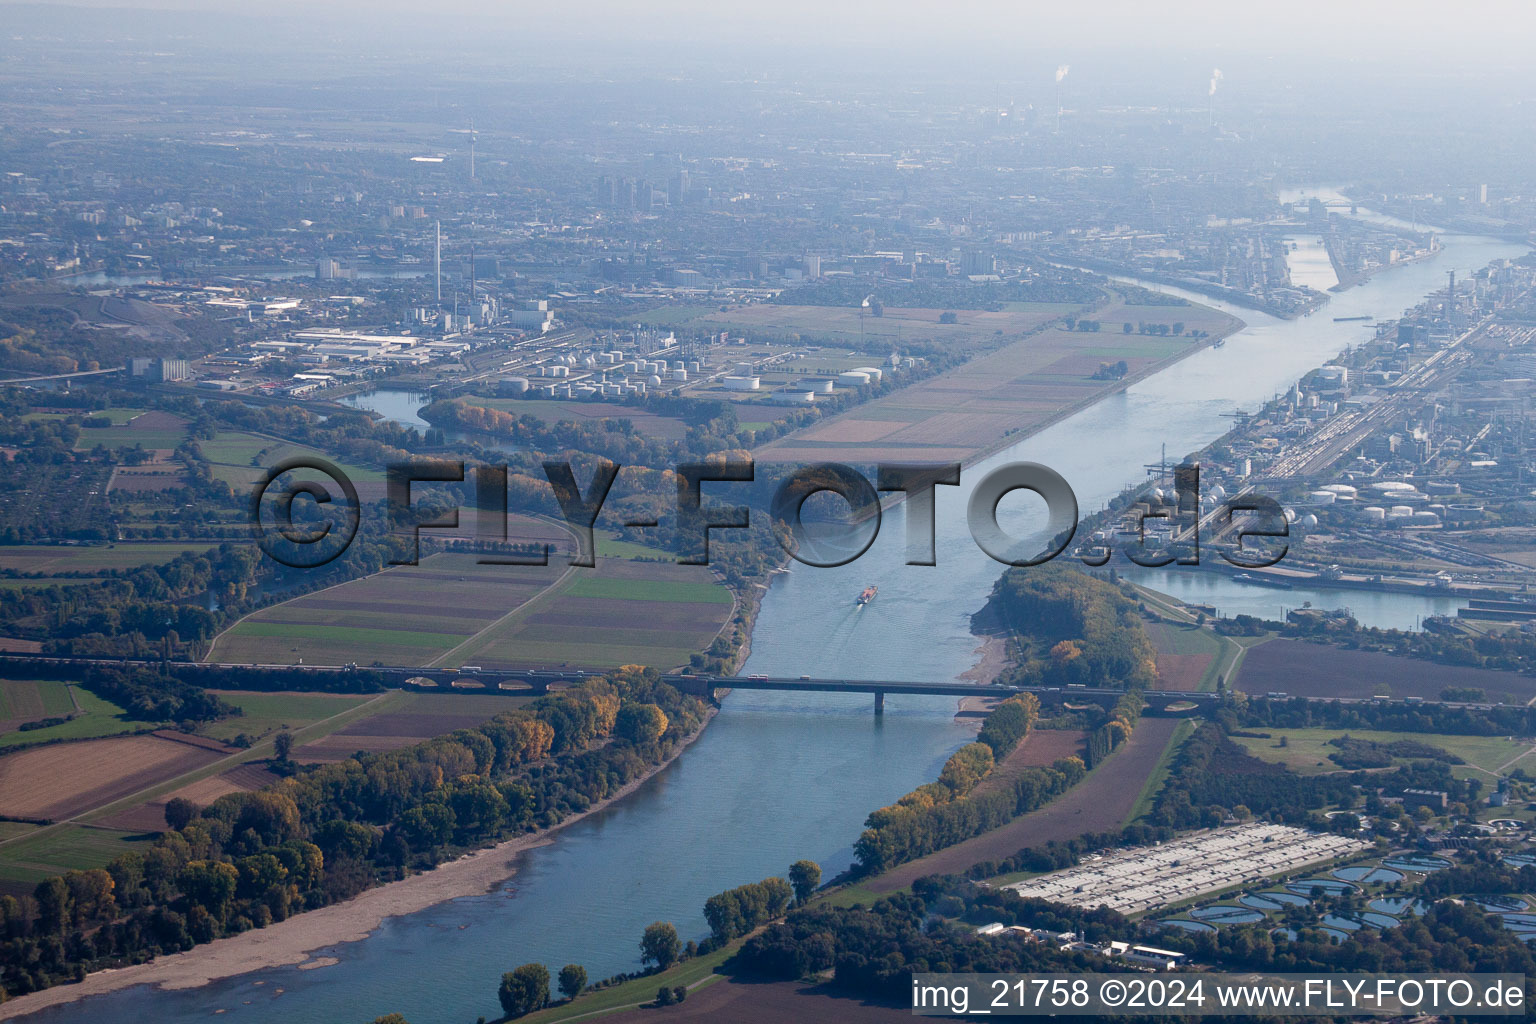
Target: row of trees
[[730, 914], [1511, 720], [1123, 717], [1009, 723], [1509, 651], [737, 911], [896, 834]]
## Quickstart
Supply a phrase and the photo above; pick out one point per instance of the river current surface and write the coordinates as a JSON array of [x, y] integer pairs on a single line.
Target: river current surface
[[778, 777]]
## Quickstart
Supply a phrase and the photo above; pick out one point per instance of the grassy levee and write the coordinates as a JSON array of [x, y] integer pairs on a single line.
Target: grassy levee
[[1159, 775], [693, 974]]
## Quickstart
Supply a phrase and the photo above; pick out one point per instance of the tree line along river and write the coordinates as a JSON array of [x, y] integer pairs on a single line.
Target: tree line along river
[[780, 776]]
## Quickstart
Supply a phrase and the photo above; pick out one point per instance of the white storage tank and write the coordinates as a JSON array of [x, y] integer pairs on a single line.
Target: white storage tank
[[679, 374], [1342, 490], [1321, 497], [1308, 521], [516, 385], [853, 378], [1425, 519], [1401, 511], [1383, 486], [1373, 513], [875, 373], [735, 383], [654, 381], [695, 366], [820, 387], [789, 397]]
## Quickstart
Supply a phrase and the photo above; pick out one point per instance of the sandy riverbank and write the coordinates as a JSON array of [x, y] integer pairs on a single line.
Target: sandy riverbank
[[290, 943]]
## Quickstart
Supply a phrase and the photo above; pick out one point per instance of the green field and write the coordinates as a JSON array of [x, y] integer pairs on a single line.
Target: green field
[[266, 713], [610, 546], [43, 698], [117, 416], [671, 316], [1306, 751], [648, 590], [12, 829], [351, 636], [93, 558], [51, 581], [124, 433], [31, 859], [97, 717], [239, 458], [553, 411]]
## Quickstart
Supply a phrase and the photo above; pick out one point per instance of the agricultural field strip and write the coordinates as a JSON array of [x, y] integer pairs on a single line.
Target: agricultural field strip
[[565, 632], [960, 397], [1138, 879], [316, 730], [1308, 669], [95, 558], [305, 617], [491, 628]]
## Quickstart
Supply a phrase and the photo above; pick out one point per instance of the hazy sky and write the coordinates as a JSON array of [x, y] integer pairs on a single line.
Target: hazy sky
[[1375, 28]]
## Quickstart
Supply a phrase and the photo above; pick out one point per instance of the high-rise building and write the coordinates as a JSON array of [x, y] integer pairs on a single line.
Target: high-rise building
[[159, 369], [978, 262], [812, 267]]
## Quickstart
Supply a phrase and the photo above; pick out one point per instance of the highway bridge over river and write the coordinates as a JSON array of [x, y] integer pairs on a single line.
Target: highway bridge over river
[[511, 682], [522, 682]]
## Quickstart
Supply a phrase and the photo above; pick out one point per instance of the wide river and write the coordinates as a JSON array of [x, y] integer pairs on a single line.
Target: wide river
[[780, 777]]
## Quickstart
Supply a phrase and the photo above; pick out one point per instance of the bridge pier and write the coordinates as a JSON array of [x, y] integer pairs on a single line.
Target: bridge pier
[[879, 702]]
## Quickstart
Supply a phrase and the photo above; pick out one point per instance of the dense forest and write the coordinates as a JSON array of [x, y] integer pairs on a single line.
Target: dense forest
[[1079, 630]]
